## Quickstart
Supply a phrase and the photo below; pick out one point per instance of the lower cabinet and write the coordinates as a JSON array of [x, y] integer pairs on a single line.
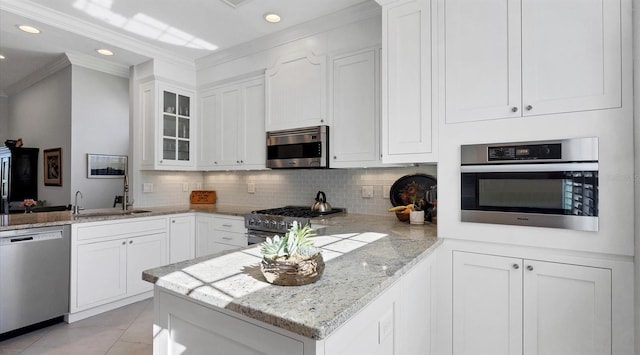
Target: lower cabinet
[[216, 233], [182, 238], [107, 260], [504, 305]]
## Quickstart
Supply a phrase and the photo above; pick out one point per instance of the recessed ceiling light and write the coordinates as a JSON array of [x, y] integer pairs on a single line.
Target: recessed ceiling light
[[272, 18], [28, 29], [104, 51], [2, 57]]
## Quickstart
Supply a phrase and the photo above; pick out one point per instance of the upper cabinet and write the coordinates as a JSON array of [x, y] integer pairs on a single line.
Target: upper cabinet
[[231, 134], [408, 128], [167, 127], [296, 92], [513, 58], [355, 132]]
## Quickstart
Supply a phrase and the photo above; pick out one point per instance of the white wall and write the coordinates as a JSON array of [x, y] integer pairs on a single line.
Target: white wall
[[41, 115], [4, 119], [99, 125]]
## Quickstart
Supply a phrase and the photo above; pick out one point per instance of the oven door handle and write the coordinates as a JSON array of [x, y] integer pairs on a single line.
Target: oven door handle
[[517, 168]]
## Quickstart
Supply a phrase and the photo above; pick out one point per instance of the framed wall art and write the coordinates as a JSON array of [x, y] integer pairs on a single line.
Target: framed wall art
[[100, 166], [52, 159]]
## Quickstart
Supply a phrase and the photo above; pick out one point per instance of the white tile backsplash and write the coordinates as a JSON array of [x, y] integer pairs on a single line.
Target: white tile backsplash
[[276, 188]]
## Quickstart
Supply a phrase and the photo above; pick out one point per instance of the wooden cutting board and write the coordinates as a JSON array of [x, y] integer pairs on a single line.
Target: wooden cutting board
[[203, 197]]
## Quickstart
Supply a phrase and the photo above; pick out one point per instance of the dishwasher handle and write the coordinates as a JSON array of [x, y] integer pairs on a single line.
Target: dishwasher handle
[[23, 239]]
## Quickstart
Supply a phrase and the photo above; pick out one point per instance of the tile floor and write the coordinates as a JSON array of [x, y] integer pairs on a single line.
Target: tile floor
[[126, 330]]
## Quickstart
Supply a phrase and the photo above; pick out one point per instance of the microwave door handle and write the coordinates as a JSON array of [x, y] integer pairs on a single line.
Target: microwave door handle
[[516, 168]]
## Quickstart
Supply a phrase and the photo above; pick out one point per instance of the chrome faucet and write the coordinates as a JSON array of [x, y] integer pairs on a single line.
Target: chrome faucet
[[125, 193], [76, 208]]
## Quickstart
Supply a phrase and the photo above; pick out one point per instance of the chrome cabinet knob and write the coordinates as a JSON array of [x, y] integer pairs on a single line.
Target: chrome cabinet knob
[[516, 266], [123, 243], [529, 267], [335, 157], [529, 107], [131, 242], [514, 109]]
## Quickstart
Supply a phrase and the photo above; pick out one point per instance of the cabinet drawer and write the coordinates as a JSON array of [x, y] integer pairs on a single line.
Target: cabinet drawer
[[231, 238], [229, 224], [120, 227]]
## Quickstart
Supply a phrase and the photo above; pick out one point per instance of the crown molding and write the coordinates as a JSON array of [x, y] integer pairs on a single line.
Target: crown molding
[[90, 30], [338, 19], [98, 64], [64, 61], [60, 63]]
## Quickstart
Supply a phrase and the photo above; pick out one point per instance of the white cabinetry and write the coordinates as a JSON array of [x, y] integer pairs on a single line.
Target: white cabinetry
[[107, 260], [182, 238], [230, 233], [216, 233], [408, 128], [205, 230], [502, 305], [520, 58], [296, 92], [355, 132], [166, 127], [232, 133]]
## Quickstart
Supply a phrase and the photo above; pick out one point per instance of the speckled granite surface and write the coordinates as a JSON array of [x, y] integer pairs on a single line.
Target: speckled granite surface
[[45, 219], [364, 255]]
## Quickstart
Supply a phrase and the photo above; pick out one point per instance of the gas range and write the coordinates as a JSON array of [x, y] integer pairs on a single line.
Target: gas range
[[278, 220]]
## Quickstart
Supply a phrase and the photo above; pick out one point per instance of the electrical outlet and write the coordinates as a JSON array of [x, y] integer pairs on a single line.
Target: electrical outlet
[[385, 326], [147, 187], [386, 191], [198, 186], [185, 186], [367, 191], [251, 188]]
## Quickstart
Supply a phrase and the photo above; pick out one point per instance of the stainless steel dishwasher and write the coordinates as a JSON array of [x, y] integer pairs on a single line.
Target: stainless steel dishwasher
[[34, 276]]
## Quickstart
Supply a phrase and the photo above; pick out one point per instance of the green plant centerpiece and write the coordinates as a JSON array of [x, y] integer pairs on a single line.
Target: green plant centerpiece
[[292, 260]]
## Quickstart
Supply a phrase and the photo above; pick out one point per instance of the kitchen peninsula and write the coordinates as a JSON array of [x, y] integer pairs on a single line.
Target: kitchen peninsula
[[374, 295]]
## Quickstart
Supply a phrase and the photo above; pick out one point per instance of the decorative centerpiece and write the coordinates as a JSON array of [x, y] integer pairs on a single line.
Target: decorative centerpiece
[[292, 260]]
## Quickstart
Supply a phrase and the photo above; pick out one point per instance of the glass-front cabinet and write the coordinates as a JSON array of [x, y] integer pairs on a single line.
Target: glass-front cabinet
[[176, 123], [167, 142]]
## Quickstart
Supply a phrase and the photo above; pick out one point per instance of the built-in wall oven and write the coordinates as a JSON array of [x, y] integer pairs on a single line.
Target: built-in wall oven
[[544, 184]]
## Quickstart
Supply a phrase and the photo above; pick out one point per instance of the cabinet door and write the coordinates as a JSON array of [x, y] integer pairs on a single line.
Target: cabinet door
[[253, 137], [143, 253], [205, 232], [229, 127], [182, 239], [567, 309], [209, 107], [406, 83], [296, 92], [175, 127], [487, 304], [355, 133], [482, 59], [571, 55], [101, 272]]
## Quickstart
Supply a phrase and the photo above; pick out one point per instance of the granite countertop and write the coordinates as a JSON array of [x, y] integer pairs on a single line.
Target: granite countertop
[[364, 255], [46, 219]]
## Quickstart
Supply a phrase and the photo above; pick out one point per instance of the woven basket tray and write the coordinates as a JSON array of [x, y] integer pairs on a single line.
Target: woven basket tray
[[288, 273]]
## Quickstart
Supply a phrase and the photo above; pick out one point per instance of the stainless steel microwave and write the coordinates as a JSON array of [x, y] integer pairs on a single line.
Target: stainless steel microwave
[[544, 184], [298, 148]]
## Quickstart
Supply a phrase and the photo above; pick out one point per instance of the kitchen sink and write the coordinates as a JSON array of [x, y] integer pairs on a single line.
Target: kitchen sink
[[110, 213]]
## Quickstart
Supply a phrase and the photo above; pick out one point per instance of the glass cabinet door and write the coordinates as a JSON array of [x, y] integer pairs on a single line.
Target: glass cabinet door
[[176, 121]]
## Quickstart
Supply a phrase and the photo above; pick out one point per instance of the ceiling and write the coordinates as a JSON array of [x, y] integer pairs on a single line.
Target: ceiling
[[137, 30]]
